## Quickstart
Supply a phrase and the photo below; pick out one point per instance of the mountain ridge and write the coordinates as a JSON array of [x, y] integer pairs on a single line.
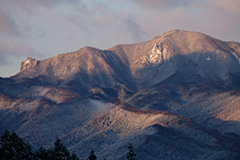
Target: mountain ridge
[[158, 52], [173, 97]]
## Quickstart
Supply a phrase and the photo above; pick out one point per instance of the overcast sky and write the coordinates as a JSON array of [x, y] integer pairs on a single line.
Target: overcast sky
[[45, 28]]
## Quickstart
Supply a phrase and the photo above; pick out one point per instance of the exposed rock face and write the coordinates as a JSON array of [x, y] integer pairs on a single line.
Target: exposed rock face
[[28, 63], [160, 83]]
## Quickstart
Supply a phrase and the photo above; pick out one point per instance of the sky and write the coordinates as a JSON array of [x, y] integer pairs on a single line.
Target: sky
[[44, 28]]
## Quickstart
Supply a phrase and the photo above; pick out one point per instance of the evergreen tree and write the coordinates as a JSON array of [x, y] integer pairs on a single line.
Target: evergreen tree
[[6, 149], [14, 148], [60, 152], [74, 157], [92, 155], [131, 155], [42, 154]]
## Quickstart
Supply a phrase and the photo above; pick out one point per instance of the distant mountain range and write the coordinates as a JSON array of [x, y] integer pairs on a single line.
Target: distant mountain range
[[176, 96]]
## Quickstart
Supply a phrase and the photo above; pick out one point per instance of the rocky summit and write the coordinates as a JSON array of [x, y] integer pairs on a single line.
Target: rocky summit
[[176, 96]]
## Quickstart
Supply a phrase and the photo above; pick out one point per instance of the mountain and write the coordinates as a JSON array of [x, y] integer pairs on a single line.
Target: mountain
[[152, 132], [176, 96], [160, 57]]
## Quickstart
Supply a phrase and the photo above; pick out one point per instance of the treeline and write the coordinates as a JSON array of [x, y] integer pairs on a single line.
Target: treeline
[[12, 147]]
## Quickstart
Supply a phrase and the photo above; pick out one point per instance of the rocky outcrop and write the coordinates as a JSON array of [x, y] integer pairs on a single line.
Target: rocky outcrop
[[28, 63]]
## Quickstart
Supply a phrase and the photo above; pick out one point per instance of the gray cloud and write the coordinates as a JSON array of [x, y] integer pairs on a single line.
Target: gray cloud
[[161, 4], [134, 28], [43, 3], [17, 49], [78, 21], [8, 24], [31, 27], [3, 60], [230, 6]]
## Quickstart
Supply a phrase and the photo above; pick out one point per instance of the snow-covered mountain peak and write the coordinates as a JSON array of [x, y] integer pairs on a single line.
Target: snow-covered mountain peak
[[135, 64]]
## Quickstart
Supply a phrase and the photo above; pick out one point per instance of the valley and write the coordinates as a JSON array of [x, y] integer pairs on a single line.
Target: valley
[[176, 96]]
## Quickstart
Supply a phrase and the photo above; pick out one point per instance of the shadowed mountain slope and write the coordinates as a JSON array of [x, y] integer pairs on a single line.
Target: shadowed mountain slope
[[155, 135], [176, 96]]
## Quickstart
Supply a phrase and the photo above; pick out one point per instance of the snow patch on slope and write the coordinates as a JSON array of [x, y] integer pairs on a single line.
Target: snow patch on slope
[[154, 56]]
